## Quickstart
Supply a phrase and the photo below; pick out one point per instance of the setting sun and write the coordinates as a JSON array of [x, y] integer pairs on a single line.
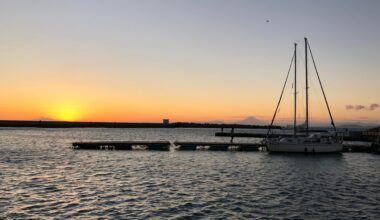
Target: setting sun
[[67, 112]]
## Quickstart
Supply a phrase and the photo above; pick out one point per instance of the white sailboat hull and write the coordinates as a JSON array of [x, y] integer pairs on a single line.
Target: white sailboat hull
[[305, 147]]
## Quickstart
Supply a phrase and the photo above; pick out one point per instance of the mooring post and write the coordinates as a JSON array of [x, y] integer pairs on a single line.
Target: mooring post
[[232, 134]]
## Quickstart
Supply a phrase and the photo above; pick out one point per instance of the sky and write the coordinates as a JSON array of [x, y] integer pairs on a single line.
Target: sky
[[198, 60]]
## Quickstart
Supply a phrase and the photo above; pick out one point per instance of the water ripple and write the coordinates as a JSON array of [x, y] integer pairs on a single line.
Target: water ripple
[[41, 178]]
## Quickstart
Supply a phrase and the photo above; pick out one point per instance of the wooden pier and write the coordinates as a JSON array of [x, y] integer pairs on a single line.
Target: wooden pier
[[217, 146], [192, 146], [122, 145], [165, 145]]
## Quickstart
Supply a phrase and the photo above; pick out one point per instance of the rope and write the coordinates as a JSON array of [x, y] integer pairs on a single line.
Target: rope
[[279, 101], [323, 91]]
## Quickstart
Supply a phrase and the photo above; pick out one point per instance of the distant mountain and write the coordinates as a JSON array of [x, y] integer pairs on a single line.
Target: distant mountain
[[251, 120]]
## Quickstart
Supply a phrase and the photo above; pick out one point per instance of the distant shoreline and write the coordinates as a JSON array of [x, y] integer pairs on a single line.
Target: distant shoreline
[[66, 124]]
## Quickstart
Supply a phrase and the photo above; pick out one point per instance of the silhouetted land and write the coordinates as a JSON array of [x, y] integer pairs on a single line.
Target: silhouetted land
[[64, 124]]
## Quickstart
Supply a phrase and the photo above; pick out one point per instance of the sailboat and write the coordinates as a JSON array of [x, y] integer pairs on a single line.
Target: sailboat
[[307, 142]]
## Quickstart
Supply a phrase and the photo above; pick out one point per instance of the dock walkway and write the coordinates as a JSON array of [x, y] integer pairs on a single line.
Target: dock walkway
[[122, 145], [165, 145], [192, 146], [217, 146]]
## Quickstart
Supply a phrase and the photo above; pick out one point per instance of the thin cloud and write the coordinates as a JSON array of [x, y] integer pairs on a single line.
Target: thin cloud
[[371, 107], [374, 106], [359, 107]]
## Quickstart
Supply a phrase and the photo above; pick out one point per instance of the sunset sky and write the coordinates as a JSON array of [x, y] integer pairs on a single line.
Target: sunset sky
[[198, 60]]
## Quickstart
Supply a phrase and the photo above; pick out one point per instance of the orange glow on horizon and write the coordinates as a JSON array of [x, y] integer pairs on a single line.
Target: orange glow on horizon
[[67, 113]]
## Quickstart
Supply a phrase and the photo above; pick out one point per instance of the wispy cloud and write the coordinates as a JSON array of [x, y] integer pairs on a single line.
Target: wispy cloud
[[359, 107], [371, 107]]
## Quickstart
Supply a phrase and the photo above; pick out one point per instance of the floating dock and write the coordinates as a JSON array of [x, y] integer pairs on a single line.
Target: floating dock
[[122, 145], [192, 146], [217, 146]]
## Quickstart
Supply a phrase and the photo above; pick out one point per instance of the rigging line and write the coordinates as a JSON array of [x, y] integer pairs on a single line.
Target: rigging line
[[282, 92], [318, 96], [323, 91]]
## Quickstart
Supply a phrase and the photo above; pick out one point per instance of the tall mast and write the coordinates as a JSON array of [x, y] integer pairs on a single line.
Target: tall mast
[[295, 89], [307, 91]]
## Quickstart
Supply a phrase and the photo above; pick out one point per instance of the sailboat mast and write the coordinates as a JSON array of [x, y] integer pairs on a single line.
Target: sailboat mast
[[307, 91], [295, 89]]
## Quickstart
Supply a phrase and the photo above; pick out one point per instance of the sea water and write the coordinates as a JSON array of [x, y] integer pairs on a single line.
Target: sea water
[[41, 177]]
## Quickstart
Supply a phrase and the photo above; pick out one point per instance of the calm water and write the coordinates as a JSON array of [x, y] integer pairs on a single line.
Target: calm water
[[41, 177]]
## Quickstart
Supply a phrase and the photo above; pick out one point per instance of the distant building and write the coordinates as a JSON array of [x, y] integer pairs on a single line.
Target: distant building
[[165, 121]]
